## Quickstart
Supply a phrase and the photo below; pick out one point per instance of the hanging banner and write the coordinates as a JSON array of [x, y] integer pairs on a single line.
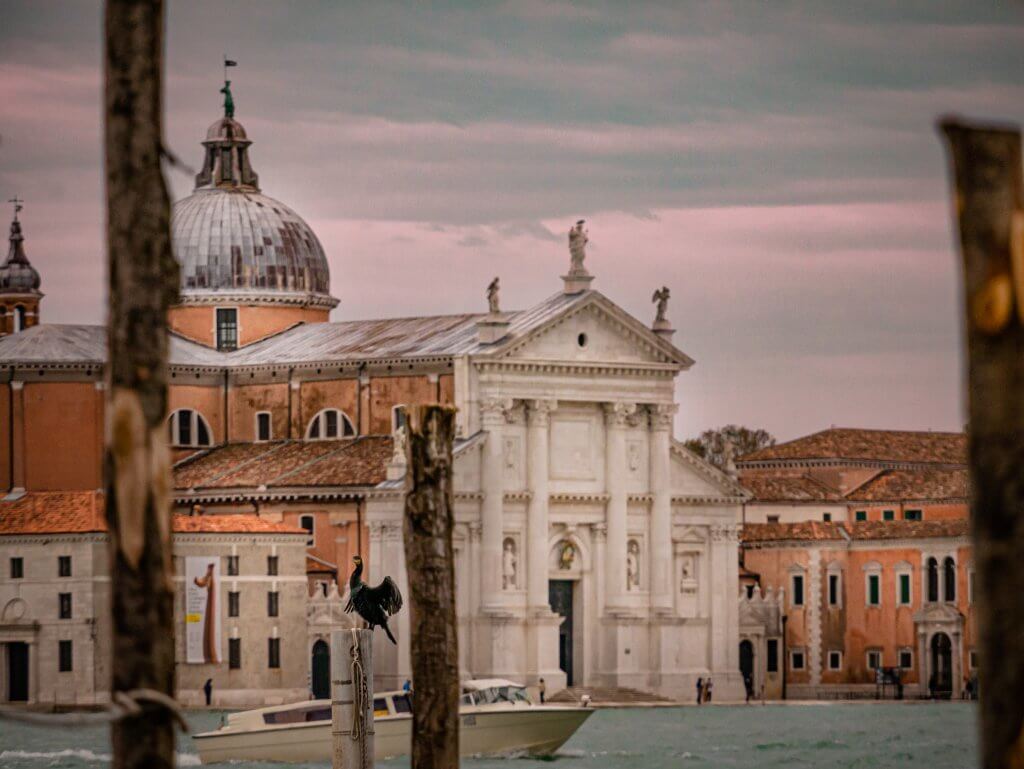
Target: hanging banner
[[202, 615]]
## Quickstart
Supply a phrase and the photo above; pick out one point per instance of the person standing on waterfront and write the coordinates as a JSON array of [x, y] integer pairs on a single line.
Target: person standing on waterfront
[[707, 690], [541, 689], [208, 691], [748, 684], [700, 690]]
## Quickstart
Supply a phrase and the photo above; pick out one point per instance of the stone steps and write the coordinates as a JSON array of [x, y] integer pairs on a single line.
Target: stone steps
[[602, 695]]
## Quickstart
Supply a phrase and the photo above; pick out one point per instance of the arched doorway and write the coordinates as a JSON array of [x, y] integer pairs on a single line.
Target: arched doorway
[[747, 662], [941, 681], [321, 671]]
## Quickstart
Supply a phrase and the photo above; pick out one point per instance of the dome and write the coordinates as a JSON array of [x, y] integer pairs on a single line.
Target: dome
[[236, 244], [231, 240], [17, 276]]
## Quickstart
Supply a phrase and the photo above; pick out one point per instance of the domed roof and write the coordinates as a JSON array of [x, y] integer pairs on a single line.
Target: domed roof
[[227, 239], [17, 275], [234, 243]]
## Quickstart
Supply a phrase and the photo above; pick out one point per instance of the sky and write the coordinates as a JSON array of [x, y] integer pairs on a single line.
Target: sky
[[775, 164]]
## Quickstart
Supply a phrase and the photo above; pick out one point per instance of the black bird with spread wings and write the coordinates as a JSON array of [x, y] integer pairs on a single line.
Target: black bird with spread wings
[[373, 604]]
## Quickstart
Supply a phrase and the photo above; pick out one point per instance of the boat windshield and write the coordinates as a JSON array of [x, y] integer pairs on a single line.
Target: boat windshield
[[297, 715], [500, 694]]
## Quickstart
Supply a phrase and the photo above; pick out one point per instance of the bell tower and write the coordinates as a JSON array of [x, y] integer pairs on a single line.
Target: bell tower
[[19, 283]]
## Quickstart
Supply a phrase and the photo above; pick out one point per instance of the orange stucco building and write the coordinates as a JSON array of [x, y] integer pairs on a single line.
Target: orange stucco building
[[864, 535]]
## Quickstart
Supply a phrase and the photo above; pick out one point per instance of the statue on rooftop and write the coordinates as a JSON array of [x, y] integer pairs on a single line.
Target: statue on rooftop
[[661, 297], [492, 297], [577, 248], [229, 102]]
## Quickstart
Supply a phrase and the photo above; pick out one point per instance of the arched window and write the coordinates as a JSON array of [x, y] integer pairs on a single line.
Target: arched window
[[933, 580], [330, 424], [188, 429], [949, 579], [19, 318]]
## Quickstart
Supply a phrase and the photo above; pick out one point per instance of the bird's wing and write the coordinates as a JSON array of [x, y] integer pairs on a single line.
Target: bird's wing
[[350, 606], [386, 595]]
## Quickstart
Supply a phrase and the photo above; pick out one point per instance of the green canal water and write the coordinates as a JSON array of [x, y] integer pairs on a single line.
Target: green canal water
[[936, 736]]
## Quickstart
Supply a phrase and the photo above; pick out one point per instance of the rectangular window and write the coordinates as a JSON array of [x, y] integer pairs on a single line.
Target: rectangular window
[[64, 599], [798, 589], [64, 656], [970, 586], [272, 565], [234, 653], [17, 568], [972, 659], [826, 517], [912, 515], [64, 566], [874, 589], [833, 589], [331, 428], [874, 660], [860, 515], [232, 565], [263, 426], [906, 659], [308, 522], [905, 597], [772, 662], [272, 603], [773, 519], [835, 660], [233, 601], [888, 515], [227, 328], [273, 652], [796, 660]]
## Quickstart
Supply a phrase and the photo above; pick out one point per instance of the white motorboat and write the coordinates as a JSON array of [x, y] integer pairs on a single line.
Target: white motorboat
[[495, 717]]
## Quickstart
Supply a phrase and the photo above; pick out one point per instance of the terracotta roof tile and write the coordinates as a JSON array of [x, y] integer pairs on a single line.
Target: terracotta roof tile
[[810, 531], [79, 512], [881, 445], [892, 485], [53, 512], [349, 462], [787, 488]]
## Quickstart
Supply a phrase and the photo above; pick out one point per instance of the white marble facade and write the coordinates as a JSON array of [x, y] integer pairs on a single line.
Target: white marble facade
[[566, 470]]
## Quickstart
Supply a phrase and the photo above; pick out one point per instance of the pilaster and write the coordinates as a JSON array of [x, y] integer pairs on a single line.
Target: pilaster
[[492, 415], [538, 421], [617, 416], [661, 417]]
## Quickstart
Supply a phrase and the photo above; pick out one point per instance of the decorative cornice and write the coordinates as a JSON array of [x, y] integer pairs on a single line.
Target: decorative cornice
[[569, 497], [660, 370], [703, 499], [194, 298]]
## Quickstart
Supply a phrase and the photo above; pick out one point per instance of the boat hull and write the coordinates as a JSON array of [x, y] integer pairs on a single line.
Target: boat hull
[[535, 730]]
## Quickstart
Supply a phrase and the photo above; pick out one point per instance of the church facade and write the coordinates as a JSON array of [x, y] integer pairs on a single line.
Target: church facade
[[592, 549]]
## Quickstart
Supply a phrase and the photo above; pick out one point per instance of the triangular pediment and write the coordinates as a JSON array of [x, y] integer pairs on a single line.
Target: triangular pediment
[[695, 477], [592, 330]]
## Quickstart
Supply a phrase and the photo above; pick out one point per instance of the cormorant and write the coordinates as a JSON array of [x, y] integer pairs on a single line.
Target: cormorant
[[373, 604]]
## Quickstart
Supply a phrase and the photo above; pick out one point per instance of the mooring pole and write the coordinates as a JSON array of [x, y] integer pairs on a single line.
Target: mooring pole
[[988, 208], [352, 730], [429, 558]]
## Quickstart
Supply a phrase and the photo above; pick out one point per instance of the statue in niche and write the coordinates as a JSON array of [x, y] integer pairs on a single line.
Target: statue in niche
[[633, 456], [577, 249], [633, 565], [509, 562], [567, 555], [660, 298], [687, 574], [492, 297]]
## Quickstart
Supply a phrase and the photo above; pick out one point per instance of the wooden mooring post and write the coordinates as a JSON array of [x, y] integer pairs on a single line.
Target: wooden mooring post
[[430, 563], [143, 281], [352, 733], [987, 193]]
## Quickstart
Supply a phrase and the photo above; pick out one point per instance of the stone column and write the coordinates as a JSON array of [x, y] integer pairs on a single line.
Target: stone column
[[616, 418], [473, 572], [661, 505], [923, 663], [538, 418], [492, 414]]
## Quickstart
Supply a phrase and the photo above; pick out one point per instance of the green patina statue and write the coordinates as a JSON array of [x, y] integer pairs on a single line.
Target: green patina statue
[[229, 103]]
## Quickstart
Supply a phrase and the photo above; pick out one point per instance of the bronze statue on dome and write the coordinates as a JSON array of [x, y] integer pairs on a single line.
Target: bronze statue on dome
[[229, 102]]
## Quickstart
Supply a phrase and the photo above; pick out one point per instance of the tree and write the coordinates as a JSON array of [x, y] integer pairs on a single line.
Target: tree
[[710, 444]]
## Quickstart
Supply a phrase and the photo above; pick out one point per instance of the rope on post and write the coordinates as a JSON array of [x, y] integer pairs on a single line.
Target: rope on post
[[359, 693]]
